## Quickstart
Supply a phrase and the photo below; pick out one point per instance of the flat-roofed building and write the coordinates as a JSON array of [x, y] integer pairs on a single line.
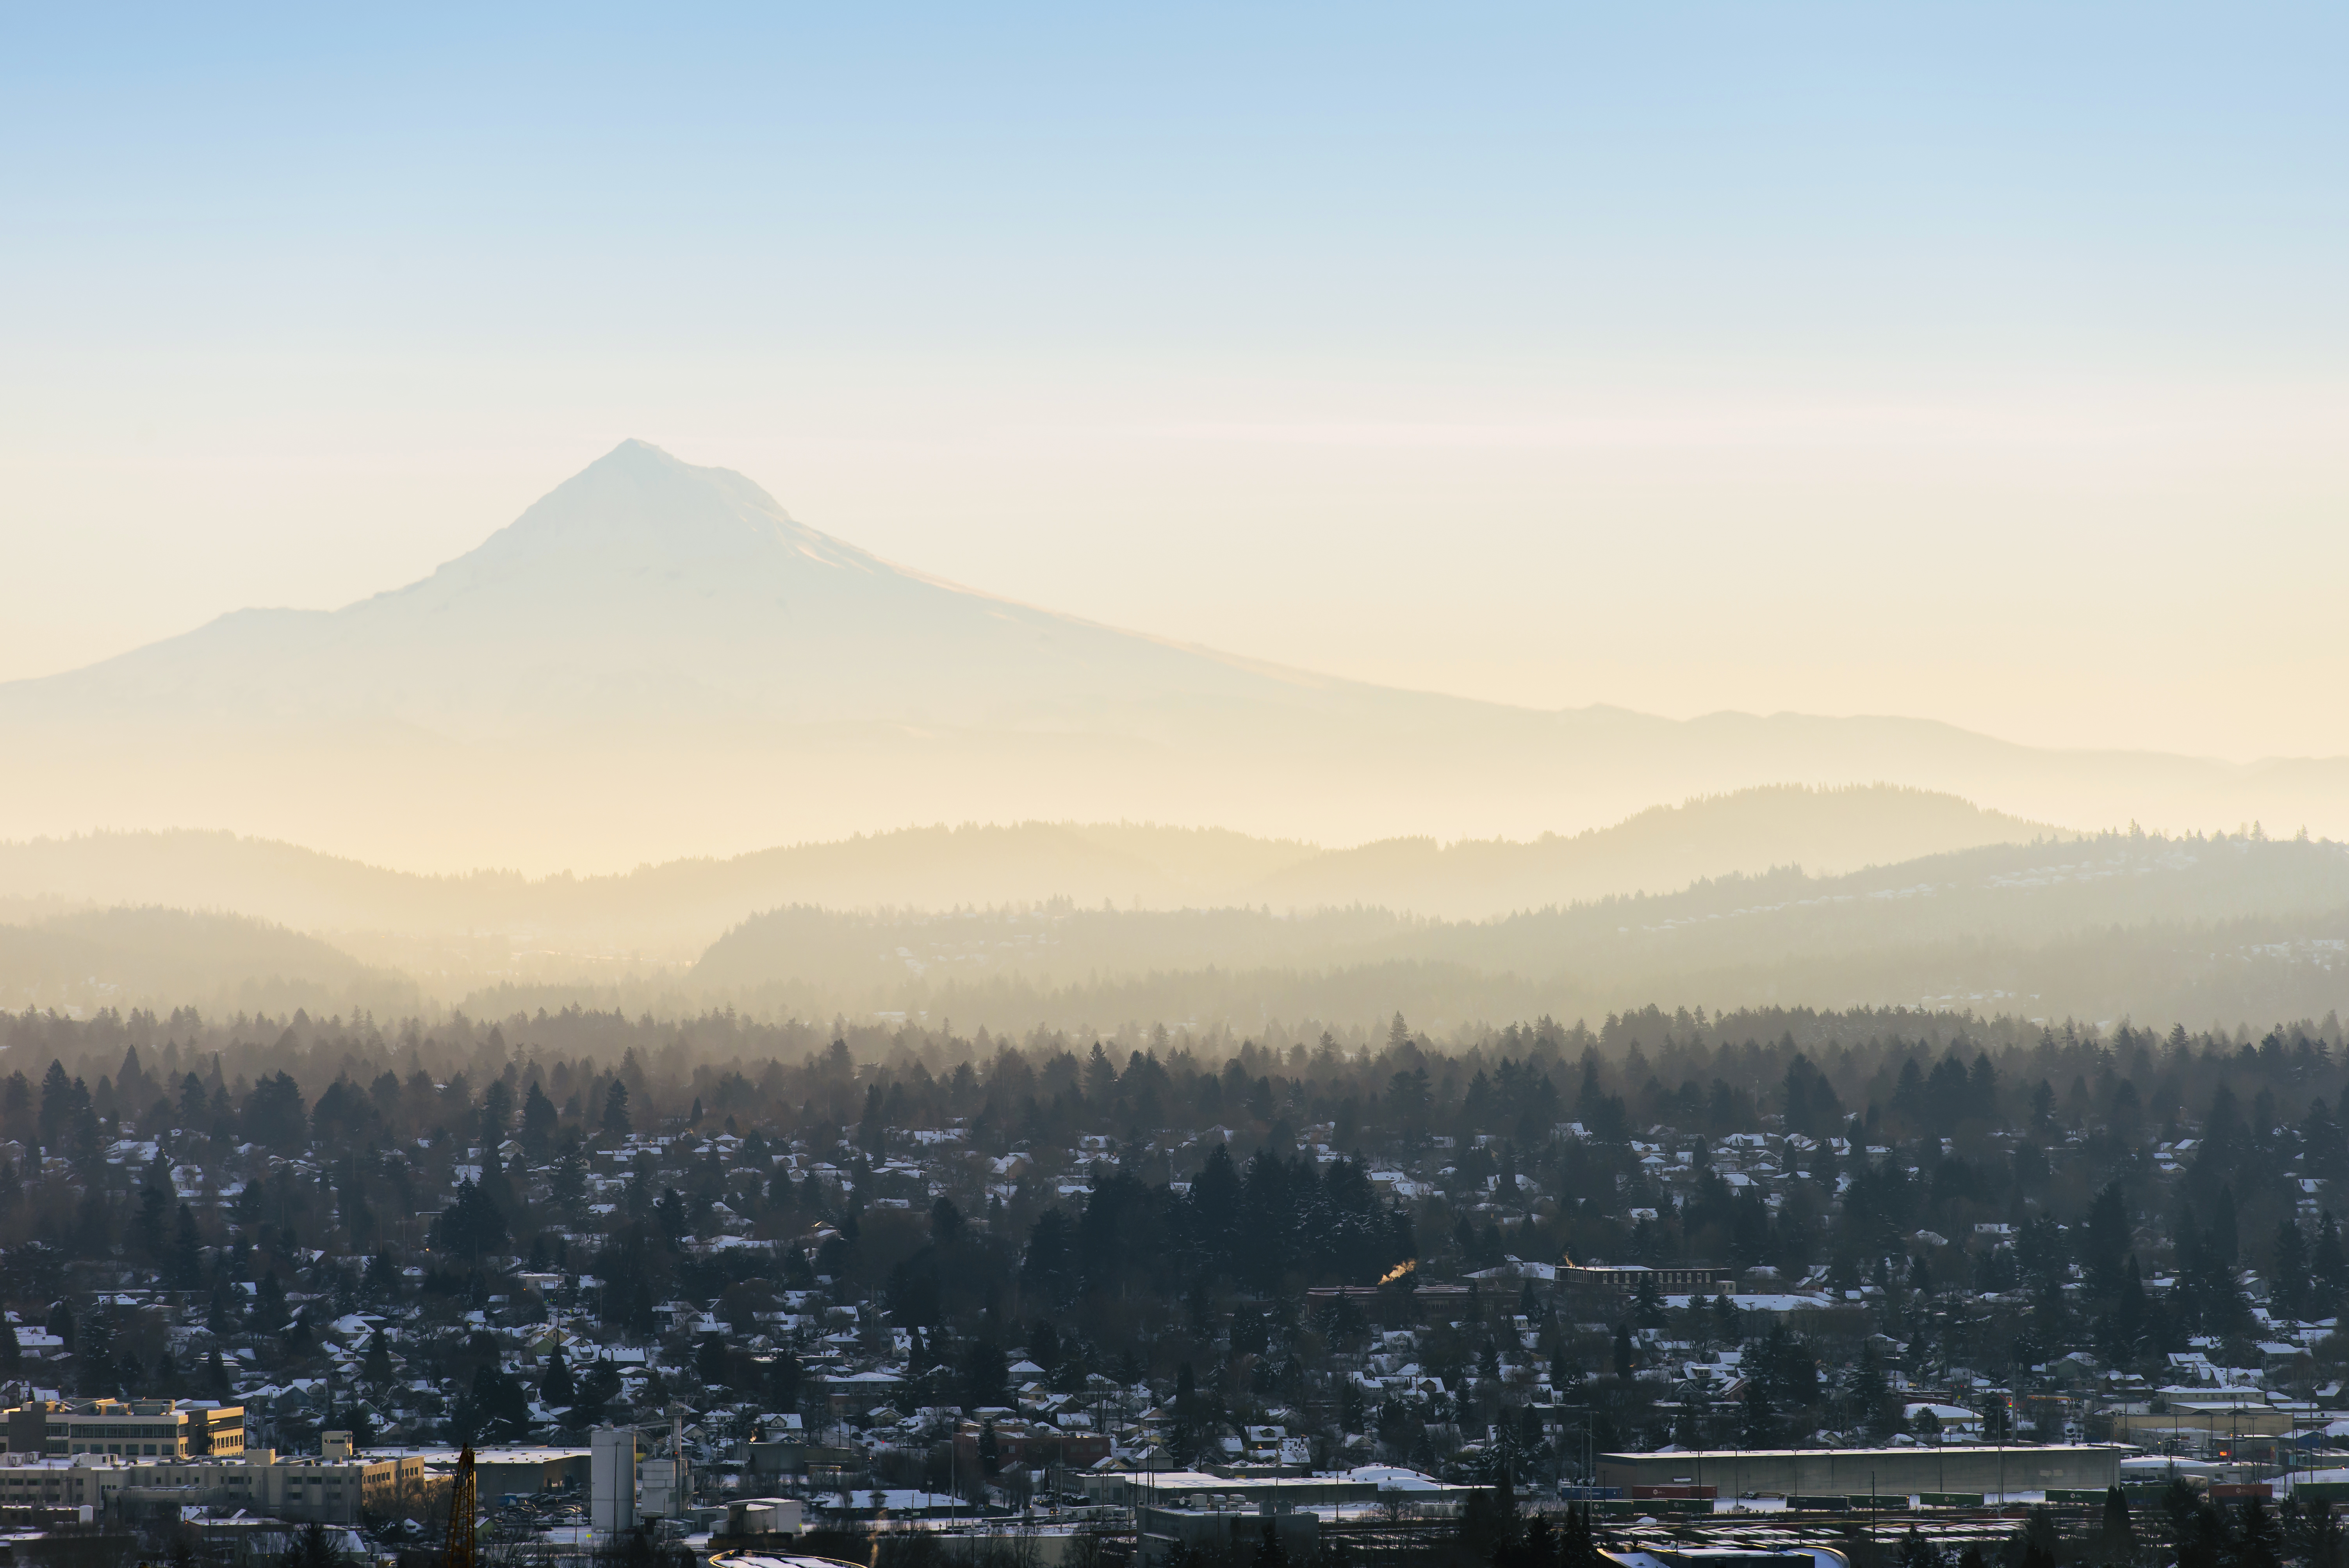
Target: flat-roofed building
[[330, 1491], [512, 1469], [128, 1429], [1884, 1472], [1625, 1279]]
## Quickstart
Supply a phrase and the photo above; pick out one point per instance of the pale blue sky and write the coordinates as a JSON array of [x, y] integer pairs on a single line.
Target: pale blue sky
[[1277, 329]]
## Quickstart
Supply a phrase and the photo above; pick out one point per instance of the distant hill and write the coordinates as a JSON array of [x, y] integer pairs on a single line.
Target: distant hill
[[672, 912], [2229, 929], [2234, 930], [160, 959], [655, 662], [669, 911], [1661, 849]]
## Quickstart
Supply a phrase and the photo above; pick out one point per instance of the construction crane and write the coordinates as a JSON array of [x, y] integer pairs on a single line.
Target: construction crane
[[457, 1551]]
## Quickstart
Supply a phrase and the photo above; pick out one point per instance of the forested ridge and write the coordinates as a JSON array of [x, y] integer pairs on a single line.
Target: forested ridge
[[2223, 930]]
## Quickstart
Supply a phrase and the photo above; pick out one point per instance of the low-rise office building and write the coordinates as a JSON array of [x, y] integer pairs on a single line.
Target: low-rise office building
[[130, 1428], [334, 1487]]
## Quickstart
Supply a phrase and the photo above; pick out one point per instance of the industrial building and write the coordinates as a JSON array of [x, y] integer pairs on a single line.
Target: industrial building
[[511, 1470], [1167, 1533], [627, 1484], [1988, 1468]]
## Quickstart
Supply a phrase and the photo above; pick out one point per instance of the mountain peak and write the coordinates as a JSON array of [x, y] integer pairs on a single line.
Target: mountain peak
[[637, 500], [642, 457]]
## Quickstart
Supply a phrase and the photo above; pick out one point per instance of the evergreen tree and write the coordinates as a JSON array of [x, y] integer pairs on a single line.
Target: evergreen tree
[[100, 1376], [2042, 1543], [500, 1406], [557, 1391], [2105, 1241], [470, 1226], [2116, 1540], [2317, 1540], [187, 1262], [1577, 1548], [539, 1121], [497, 1110], [567, 1189], [986, 1375], [269, 1313], [1868, 1395], [598, 1386], [1916, 1552], [2288, 1293], [2257, 1540], [2129, 1330], [1758, 1424], [2329, 1267], [376, 1369]]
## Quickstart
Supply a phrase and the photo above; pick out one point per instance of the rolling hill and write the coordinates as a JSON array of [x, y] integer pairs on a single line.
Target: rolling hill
[[668, 913], [2233, 929], [163, 958]]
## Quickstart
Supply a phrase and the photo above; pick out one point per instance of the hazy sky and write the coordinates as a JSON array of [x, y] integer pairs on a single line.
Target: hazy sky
[[1974, 361]]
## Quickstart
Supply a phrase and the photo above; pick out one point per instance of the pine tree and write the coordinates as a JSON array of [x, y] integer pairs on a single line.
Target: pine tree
[[2257, 1539], [539, 1121], [2116, 1540], [269, 1313], [2288, 1292], [2319, 1541], [2329, 1267], [1648, 1304], [187, 1266], [568, 1187], [1868, 1395], [1758, 1427], [1577, 1548], [377, 1369]]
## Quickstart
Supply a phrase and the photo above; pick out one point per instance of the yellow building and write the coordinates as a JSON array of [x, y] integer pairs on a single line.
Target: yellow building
[[132, 1429]]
